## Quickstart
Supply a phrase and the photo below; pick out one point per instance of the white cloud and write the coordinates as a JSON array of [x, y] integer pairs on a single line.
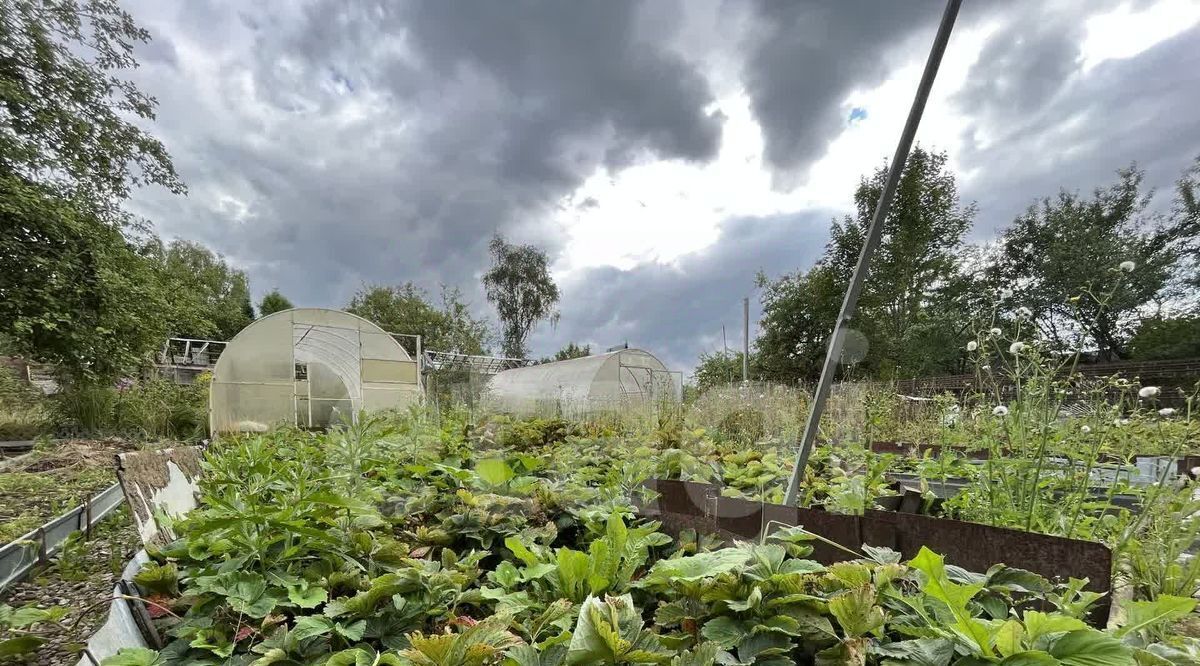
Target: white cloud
[[659, 211], [1124, 32]]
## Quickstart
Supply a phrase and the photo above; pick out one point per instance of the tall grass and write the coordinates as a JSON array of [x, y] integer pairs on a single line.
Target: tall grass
[[23, 413], [154, 408]]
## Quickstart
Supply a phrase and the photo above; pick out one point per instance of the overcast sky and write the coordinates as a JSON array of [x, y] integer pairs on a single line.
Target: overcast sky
[[661, 152]]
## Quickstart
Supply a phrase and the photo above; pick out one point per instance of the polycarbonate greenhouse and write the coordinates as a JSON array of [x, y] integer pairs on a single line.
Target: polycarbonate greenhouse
[[309, 367], [610, 381]]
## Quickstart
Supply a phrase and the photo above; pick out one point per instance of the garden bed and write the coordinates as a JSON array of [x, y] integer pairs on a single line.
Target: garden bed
[[699, 506], [80, 579], [53, 479]]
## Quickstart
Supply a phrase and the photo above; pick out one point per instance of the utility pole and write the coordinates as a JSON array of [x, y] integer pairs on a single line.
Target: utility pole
[[725, 354], [746, 339], [870, 243]]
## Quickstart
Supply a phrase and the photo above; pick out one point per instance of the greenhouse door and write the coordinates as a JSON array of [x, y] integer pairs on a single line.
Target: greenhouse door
[[649, 384], [327, 367]]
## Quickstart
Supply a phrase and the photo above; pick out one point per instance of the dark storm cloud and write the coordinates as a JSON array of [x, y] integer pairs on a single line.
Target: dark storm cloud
[[329, 144], [388, 142], [1040, 123], [808, 56], [676, 311]]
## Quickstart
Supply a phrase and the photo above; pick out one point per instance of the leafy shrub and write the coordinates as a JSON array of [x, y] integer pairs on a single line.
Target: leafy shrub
[[525, 434]]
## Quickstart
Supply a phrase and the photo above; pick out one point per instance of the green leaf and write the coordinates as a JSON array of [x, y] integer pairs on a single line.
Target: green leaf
[[1088, 647], [917, 652], [311, 625], [955, 596], [856, 612], [30, 615], [134, 657], [20, 645], [1150, 614], [382, 588], [694, 567], [881, 554], [494, 471], [704, 654], [726, 631], [521, 552], [159, 579], [611, 631], [1030, 658], [271, 656], [351, 632], [1010, 637], [1038, 624], [306, 596]]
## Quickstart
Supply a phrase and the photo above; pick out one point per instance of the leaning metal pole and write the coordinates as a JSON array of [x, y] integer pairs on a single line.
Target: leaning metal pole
[[834, 353]]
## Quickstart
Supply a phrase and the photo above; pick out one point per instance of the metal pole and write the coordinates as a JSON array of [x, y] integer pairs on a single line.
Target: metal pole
[[725, 355], [746, 339], [870, 243]]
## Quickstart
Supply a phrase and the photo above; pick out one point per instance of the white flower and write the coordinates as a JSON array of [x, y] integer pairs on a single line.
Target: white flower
[[986, 367], [972, 346], [1024, 312], [1148, 392], [1006, 293], [1128, 266], [995, 331], [1000, 410], [1121, 422], [1166, 411], [1085, 429], [1016, 348]]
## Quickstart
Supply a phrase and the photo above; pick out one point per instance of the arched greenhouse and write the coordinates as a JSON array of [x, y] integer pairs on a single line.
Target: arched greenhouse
[[611, 381], [309, 367]]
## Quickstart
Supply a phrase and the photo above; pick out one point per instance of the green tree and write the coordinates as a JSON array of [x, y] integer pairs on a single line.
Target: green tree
[[210, 298], [75, 292], [570, 351], [69, 119], [718, 369], [798, 314], [916, 261], [273, 302], [1160, 338], [406, 309], [1062, 259], [521, 289]]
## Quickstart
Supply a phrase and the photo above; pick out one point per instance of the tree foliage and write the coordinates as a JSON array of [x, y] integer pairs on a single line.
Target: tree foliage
[[74, 292], [718, 369], [1159, 338], [914, 268], [570, 351], [68, 116], [210, 299], [521, 289], [1061, 259], [406, 309], [1088, 271], [273, 302]]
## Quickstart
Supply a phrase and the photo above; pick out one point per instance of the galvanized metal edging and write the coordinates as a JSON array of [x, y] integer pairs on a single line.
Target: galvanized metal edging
[[20, 556]]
